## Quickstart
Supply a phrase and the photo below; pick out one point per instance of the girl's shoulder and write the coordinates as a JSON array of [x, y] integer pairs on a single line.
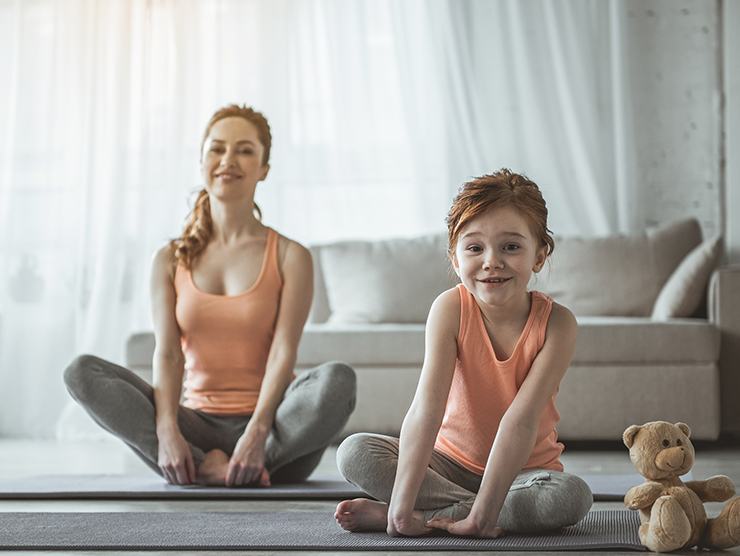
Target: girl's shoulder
[[445, 311], [562, 322]]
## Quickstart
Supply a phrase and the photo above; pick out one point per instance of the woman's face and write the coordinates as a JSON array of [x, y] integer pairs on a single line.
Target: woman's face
[[231, 161]]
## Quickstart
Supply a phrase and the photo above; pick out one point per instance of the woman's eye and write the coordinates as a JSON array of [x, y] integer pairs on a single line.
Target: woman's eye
[[246, 151]]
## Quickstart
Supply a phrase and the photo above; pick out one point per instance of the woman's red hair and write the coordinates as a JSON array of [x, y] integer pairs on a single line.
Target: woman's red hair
[[198, 225]]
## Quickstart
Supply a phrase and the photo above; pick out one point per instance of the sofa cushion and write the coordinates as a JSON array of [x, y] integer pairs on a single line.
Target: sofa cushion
[[362, 344], [618, 275], [601, 340], [610, 340], [687, 286], [392, 280]]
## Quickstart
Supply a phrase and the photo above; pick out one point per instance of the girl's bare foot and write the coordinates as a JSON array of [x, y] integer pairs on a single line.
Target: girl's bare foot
[[362, 514], [212, 472]]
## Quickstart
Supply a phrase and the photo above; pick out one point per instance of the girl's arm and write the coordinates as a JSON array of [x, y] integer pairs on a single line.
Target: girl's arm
[[174, 456], [517, 432], [422, 422], [247, 463]]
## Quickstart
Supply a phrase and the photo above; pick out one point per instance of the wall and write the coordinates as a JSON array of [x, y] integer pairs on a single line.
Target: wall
[[675, 70], [731, 71]]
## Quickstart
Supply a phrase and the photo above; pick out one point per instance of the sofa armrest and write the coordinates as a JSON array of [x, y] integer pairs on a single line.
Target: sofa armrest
[[724, 312]]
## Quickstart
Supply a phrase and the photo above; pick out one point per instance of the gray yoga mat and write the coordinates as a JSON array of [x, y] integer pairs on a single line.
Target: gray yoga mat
[[281, 531], [151, 486], [154, 487]]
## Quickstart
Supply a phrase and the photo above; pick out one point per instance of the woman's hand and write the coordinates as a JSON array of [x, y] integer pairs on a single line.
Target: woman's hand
[[466, 527], [175, 460], [247, 463]]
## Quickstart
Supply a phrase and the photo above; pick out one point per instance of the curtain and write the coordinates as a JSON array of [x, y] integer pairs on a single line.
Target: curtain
[[379, 110]]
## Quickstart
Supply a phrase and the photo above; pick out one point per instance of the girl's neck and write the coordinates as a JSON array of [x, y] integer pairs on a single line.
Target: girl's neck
[[514, 312], [234, 221]]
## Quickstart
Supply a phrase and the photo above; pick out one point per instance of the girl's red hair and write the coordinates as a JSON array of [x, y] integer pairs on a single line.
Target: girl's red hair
[[500, 189]]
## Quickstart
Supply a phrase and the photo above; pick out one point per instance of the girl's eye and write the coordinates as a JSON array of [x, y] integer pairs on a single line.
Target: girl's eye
[[511, 247], [474, 248]]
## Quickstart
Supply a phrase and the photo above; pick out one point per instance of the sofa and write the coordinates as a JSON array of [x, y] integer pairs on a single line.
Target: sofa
[[658, 339]]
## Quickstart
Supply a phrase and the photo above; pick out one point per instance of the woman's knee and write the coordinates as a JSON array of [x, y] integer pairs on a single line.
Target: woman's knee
[[342, 377], [77, 374]]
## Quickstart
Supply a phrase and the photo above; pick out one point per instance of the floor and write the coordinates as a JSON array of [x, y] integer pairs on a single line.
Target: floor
[[20, 458]]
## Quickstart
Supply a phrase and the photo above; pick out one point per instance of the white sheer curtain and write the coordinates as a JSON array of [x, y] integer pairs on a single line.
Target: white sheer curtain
[[379, 110]]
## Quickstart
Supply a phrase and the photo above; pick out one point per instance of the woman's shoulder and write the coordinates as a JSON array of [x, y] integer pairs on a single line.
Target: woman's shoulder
[[164, 261], [292, 256]]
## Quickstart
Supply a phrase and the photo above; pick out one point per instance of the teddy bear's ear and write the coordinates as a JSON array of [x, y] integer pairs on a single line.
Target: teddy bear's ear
[[684, 429], [629, 435]]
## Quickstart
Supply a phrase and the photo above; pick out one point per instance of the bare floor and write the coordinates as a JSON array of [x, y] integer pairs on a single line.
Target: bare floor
[[25, 458]]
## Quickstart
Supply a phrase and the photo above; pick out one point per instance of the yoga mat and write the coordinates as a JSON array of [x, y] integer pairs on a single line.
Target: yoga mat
[[612, 488], [154, 487], [281, 531]]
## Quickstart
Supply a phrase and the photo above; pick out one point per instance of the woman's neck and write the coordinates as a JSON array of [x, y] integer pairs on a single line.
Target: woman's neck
[[234, 221]]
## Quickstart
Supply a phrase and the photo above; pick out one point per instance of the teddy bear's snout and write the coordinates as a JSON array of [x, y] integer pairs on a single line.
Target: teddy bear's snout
[[671, 458]]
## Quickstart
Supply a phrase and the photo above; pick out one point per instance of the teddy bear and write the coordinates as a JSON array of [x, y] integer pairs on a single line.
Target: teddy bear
[[671, 511]]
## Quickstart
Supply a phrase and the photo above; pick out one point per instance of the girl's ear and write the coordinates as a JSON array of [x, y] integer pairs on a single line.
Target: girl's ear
[[455, 265], [539, 260]]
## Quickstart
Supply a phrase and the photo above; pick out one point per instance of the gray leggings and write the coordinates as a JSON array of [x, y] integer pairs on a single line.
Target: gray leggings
[[539, 500], [313, 411]]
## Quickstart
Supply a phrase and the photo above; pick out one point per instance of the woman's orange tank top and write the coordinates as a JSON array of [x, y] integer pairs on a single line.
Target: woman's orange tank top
[[226, 338], [483, 388]]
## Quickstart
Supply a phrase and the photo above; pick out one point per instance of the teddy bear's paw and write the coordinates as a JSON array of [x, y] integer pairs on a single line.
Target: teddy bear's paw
[[669, 527], [724, 531]]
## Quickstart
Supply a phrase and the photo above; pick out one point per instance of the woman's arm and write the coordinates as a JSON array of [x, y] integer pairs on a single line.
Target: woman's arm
[[247, 463], [422, 422], [174, 457], [517, 432]]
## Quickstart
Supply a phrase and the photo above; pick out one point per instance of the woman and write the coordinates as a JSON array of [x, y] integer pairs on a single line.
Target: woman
[[230, 298]]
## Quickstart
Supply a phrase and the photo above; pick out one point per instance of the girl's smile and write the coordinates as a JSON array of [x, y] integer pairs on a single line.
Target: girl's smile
[[496, 255]]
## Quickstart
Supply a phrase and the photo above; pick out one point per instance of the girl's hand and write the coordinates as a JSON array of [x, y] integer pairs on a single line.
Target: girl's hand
[[247, 463], [465, 527], [175, 460], [412, 527]]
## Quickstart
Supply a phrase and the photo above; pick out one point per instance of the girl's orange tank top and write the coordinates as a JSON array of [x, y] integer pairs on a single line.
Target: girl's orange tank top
[[226, 339], [483, 388]]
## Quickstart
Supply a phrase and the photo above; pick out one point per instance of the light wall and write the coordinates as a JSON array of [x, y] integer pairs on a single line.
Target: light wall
[[675, 68], [731, 71]]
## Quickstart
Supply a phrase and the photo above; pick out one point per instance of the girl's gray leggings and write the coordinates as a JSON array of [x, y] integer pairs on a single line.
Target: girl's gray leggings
[[313, 411], [539, 500]]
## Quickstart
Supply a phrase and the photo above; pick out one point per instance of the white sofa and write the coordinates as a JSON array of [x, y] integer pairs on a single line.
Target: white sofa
[[645, 348]]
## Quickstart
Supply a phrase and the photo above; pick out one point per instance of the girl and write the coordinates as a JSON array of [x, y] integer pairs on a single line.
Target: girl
[[230, 298], [478, 453]]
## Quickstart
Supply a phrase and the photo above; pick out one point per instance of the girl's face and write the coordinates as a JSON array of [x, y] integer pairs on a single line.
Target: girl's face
[[231, 162], [495, 256]]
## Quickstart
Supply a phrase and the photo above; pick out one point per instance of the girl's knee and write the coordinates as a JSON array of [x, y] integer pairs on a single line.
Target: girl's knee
[[579, 499], [351, 452]]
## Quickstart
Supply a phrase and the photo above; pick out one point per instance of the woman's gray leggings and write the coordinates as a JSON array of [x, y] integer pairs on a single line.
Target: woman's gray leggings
[[313, 411], [539, 500]]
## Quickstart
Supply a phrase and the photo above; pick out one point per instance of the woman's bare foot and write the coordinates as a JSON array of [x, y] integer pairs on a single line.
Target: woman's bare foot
[[362, 514], [212, 472]]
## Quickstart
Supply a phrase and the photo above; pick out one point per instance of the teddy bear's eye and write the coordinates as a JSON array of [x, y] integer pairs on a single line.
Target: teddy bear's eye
[[678, 442], [666, 443]]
